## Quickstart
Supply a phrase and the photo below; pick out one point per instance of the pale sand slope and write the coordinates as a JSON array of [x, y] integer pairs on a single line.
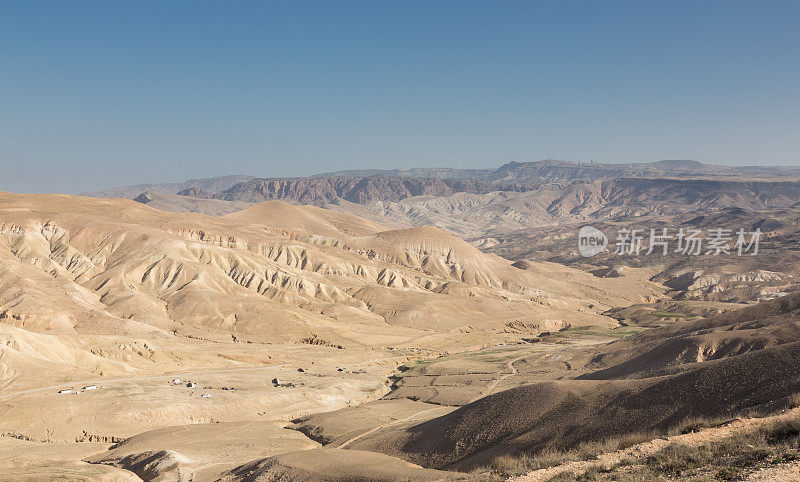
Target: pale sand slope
[[81, 265], [24, 460], [120, 408], [251, 451], [336, 465], [113, 293], [278, 215], [201, 451], [77, 266], [188, 204]]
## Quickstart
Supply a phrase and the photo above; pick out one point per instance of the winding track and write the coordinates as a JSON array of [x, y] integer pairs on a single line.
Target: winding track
[[385, 425], [512, 370]]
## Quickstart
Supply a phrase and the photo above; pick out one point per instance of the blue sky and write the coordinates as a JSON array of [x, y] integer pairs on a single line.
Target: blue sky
[[99, 94]]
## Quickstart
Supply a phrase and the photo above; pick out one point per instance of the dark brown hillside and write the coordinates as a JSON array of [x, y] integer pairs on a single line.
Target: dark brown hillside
[[560, 415], [723, 336], [359, 190]]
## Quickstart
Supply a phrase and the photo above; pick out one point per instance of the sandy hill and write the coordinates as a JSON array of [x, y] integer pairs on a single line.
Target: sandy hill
[[321, 464], [273, 272], [280, 216], [188, 204], [438, 252], [734, 363]]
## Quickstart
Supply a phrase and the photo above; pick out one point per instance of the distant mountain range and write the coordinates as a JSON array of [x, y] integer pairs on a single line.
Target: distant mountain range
[[211, 184], [432, 172], [549, 170], [359, 190], [361, 186]]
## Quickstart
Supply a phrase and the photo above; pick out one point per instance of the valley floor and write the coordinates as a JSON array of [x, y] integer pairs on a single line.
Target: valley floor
[[204, 423]]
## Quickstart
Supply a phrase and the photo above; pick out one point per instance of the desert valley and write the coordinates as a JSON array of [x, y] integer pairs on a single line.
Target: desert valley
[[421, 324], [366, 241]]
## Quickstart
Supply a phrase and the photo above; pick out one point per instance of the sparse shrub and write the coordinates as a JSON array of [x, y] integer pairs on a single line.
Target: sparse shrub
[[728, 473], [676, 458], [567, 476], [507, 466], [727, 459], [782, 431], [730, 457], [741, 450], [592, 473], [631, 439], [695, 424], [551, 459], [595, 472], [511, 465]]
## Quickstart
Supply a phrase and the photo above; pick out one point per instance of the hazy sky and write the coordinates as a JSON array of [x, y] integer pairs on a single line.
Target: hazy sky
[[99, 94]]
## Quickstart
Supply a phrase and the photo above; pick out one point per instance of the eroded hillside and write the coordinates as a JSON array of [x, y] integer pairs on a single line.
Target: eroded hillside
[[119, 318]]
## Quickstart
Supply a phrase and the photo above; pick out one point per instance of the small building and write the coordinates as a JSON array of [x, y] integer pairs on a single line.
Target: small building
[[276, 382]]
